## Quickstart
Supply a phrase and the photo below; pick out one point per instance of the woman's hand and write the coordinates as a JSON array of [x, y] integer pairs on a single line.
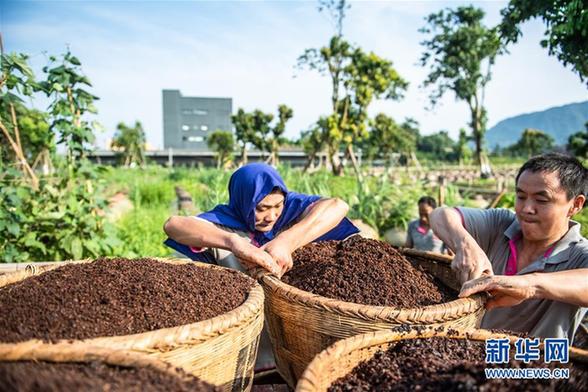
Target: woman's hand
[[251, 256], [281, 252], [505, 290]]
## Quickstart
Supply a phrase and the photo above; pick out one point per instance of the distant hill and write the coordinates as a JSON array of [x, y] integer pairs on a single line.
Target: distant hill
[[559, 122]]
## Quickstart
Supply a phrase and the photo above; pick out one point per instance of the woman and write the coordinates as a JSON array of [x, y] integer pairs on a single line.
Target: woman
[[420, 236], [262, 225]]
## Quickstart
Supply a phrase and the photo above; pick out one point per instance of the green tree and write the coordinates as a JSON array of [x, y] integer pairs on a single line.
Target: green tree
[[386, 138], [578, 143], [367, 77], [437, 145], [53, 217], [532, 142], [460, 55], [566, 35], [223, 144], [131, 140], [244, 131], [336, 10], [330, 60], [462, 150], [66, 86], [262, 126], [277, 131], [313, 143], [37, 141], [357, 78], [16, 81]]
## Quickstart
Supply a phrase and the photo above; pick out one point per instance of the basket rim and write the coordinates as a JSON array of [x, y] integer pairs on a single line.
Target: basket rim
[[448, 311], [315, 368], [79, 352], [170, 337]]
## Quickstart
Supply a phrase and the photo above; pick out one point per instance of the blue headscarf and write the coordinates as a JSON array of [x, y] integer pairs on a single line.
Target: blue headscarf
[[247, 187]]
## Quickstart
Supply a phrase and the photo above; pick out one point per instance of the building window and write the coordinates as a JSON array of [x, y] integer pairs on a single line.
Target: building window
[[194, 112], [195, 139], [204, 127], [185, 127]]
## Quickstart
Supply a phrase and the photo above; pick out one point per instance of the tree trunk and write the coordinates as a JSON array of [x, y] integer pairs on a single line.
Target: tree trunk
[[354, 162], [273, 158], [481, 158], [243, 155], [309, 163], [336, 165]]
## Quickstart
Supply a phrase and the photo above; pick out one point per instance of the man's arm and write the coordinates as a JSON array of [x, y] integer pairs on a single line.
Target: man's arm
[[569, 286], [323, 216], [469, 261], [202, 234]]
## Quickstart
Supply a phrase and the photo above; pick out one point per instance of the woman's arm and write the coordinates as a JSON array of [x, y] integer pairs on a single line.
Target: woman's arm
[[199, 233], [569, 286], [323, 216]]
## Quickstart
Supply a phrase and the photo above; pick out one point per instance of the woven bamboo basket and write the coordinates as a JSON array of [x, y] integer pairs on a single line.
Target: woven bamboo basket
[[77, 352], [302, 324], [339, 360], [220, 351]]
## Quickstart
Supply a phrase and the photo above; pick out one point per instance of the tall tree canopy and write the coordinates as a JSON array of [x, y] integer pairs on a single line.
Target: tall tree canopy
[[244, 131], [386, 137], [460, 53], [223, 144], [578, 143], [277, 132], [566, 36], [357, 78], [131, 140], [532, 142]]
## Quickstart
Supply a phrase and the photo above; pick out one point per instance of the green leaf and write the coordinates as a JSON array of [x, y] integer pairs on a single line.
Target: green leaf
[[13, 228], [74, 60], [57, 87], [76, 248]]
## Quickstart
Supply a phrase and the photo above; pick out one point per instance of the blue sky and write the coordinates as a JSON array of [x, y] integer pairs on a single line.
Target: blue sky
[[132, 50]]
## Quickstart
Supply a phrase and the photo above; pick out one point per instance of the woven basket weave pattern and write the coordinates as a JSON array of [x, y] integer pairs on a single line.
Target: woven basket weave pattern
[[221, 350], [302, 324], [339, 360]]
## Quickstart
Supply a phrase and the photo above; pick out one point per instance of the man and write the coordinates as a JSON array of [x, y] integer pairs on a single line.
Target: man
[[534, 263]]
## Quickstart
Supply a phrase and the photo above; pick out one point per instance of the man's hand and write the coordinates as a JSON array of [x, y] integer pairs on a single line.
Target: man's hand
[[505, 290], [280, 250], [470, 262], [251, 256]]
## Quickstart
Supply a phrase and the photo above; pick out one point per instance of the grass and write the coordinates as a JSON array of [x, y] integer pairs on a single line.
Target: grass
[[141, 233], [380, 203]]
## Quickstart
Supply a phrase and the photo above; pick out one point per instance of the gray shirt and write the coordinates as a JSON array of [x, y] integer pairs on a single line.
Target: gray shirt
[[492, 229], [421, 239]]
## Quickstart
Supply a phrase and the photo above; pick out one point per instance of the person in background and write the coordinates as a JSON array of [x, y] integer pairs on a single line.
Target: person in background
[[419, 235], [533, 262]]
